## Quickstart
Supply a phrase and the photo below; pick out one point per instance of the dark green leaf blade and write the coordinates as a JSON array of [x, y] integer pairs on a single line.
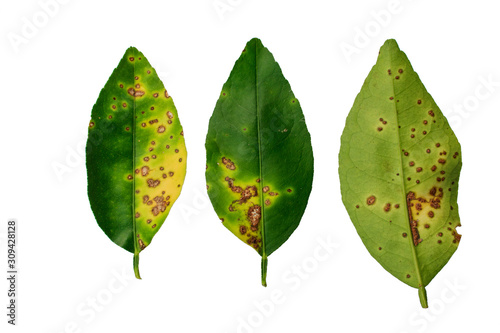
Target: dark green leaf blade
[[259, 155], [399, 166], [135, 154]]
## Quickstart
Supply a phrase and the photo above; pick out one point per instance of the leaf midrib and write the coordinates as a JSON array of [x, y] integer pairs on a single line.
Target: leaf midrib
[[410, 234], [261, 196], [134, 224]]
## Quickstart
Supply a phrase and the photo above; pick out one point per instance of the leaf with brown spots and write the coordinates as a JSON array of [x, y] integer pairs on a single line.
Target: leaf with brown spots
[[135, 139], [400, 182], [259, 157]]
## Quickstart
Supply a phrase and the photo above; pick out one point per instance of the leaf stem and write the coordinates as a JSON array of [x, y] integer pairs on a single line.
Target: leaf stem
[[264, 270], [422, 294], [136, 265]]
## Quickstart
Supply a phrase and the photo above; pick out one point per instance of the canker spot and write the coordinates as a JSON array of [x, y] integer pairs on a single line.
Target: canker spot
[[243, 229], [370, 200], [254, 214], [153, 182], [228, 163]]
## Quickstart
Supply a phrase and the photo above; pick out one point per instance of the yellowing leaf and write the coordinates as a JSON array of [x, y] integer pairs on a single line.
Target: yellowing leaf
[[399, 165], [259, 156], [136, 156]]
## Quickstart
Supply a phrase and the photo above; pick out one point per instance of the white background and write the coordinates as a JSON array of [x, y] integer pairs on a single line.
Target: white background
[[198, 277]]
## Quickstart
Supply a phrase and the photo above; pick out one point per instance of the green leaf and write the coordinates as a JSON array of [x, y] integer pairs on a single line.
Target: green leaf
[[259, 156], [399, 165], [136, 156]]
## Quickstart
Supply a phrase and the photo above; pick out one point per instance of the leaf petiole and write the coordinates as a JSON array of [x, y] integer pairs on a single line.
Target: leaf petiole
[[136, 265], [264, 270], [422, 294]]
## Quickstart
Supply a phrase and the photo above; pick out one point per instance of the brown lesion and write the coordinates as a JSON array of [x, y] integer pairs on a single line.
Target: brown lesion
[[416, 205], [413, 223], [243, 229], [253, 212], [253, 215], [161, 205], [245, 194], [254, 242], [135, 93], [228, 163], [230, 183], [248, 192], [153, 182], [266, 190]]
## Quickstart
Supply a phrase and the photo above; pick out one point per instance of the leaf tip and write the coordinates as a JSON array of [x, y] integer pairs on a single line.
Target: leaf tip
[[132, 49], [133, 54], [255, 42], [390, 45]]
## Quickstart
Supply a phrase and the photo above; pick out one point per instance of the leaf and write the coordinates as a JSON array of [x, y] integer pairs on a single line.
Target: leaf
[[399, 165], [136, 156], [259, 156]]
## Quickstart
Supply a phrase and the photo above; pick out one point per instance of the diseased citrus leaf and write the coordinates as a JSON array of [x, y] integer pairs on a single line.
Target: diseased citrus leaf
[[136, 156], [399, 165], [259, 156]]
